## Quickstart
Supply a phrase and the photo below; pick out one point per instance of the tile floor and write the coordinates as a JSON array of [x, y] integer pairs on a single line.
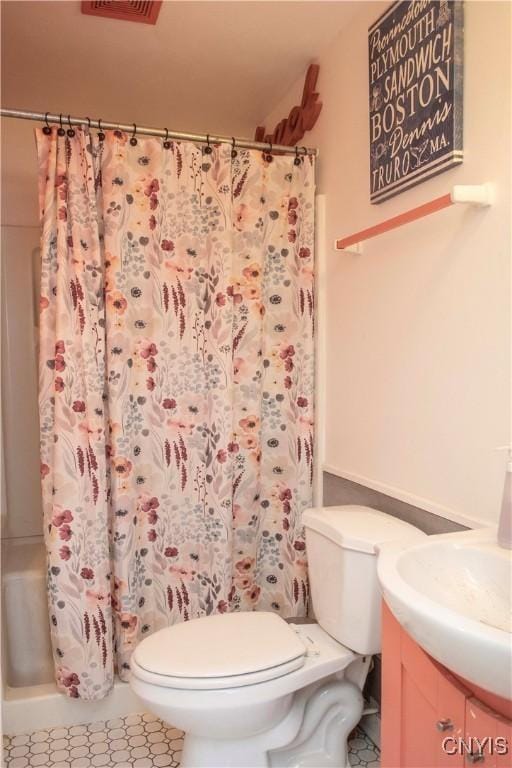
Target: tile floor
[[137, 741], [362, 751]]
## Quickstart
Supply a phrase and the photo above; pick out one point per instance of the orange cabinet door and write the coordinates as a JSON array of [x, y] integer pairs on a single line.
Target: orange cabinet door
[[422, 705], [488, 737], [391, 695]]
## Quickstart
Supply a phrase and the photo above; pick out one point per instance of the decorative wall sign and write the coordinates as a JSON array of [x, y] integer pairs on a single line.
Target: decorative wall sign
[[415, 63], [301, 119]]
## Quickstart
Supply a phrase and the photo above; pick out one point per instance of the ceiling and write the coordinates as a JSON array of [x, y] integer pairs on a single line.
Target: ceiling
[[217, 67]]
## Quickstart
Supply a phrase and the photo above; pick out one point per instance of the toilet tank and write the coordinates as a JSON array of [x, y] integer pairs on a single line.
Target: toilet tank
[[342, 563]]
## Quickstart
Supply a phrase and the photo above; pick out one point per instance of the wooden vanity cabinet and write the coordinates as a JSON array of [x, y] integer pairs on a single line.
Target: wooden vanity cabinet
[[423, 704]]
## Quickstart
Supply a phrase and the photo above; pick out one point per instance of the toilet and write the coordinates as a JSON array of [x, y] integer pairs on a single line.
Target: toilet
[[251, 689]]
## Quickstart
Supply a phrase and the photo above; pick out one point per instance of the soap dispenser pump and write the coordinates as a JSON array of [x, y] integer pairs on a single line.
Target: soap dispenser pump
[[505, 522]]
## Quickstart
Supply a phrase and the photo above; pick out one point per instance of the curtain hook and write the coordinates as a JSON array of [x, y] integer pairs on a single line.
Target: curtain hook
[[101, 135], [234, 153], [167, 143], [208, 150], [268, 157], [60, 130], [133, 140], [88, 123], [305, 150], [297, 160], [47, 130], [70, 130]]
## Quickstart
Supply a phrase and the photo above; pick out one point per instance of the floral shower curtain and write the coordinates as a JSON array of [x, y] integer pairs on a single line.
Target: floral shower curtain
[[176, 389]]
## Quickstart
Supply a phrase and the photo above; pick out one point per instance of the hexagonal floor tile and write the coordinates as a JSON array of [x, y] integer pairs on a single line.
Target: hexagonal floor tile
[[362, 752], [139, 740]]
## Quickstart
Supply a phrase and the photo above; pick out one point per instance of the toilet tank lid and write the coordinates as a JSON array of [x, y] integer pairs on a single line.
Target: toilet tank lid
[[358, 528]]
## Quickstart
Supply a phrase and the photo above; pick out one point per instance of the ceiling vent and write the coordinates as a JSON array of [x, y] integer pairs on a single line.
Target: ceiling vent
[[145, 12]]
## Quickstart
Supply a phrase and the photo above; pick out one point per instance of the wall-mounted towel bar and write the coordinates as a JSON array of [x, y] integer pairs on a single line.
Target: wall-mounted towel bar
[[476, 194]]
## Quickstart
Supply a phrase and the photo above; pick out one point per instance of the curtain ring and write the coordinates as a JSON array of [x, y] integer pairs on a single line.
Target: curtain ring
[[234, 153], [133, 140], [305, 150], [208, 150], [297, 160], [60, 130], [47, 130], [88, 123], [70, 130], [167, 143], [268, 157], [101, 135]]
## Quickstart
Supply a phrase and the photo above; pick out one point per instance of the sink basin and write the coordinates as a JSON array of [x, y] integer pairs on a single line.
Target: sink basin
[[452, 594]]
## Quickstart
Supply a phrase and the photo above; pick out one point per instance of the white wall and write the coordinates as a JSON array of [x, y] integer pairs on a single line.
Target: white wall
[[22, 506], [418, 329]]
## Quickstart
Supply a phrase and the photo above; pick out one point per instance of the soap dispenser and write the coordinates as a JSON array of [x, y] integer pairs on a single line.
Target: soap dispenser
[[505, 522]]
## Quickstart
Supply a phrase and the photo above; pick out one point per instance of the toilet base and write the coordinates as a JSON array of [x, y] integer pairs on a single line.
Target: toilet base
[[313, 734]]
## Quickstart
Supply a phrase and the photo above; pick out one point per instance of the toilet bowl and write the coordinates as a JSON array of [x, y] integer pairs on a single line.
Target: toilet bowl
[[236, 719], [250, 689]]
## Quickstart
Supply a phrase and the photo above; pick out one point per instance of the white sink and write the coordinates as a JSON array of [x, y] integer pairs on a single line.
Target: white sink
[[452, 594]]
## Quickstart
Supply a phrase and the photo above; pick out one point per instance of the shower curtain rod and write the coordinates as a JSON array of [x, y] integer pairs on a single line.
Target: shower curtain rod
[[202, 138]]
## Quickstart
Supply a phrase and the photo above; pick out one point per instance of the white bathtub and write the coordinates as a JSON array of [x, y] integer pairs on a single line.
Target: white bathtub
[[26, 631], [30, 697]]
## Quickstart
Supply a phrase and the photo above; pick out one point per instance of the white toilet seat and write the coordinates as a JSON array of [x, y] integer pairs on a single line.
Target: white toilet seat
[[217, 652], [323, 656], [219, 683]]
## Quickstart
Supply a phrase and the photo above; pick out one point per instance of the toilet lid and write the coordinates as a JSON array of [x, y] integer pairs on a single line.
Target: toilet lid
[[222, 651]]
